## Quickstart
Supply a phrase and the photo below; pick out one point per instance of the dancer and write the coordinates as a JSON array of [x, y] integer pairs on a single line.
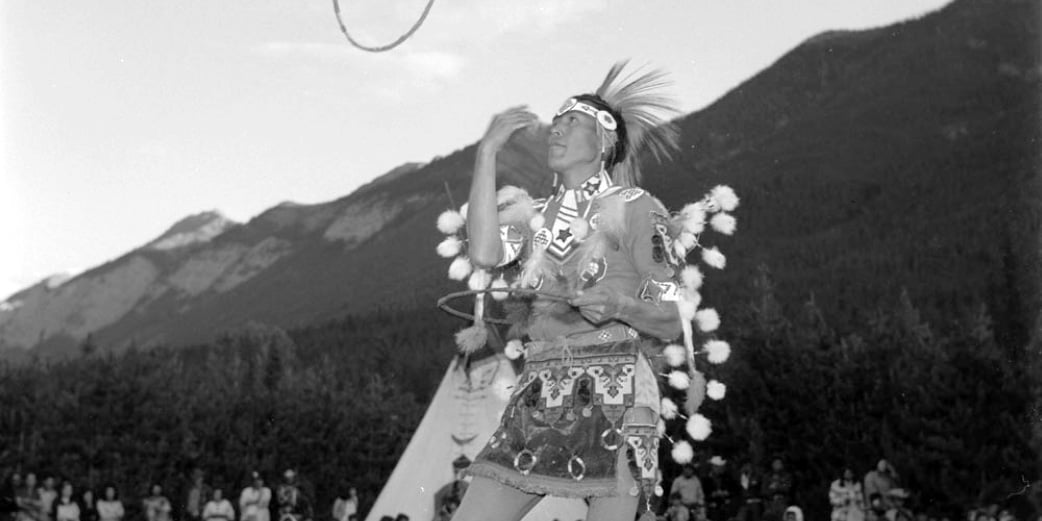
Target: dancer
[[582, 420]]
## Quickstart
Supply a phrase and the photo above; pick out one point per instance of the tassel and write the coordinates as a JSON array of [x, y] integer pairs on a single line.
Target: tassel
[[669, 409], [724, 223], [460, 268], [450, 221], [688, 240], [693, 218], [696, 393], [717, 351], [679, 380], [472, 338], [692, 278], [708, 319], [724, 197], [514, 349], [450, 247], [675, 355], [714, 258]]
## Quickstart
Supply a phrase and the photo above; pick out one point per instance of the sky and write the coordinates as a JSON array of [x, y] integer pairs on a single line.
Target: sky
[[120, 117]]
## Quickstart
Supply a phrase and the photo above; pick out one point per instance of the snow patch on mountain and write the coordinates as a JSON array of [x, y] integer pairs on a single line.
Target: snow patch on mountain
[[191, 230]]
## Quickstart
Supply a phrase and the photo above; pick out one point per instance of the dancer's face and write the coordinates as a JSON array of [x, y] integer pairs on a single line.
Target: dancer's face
[[574, 143]]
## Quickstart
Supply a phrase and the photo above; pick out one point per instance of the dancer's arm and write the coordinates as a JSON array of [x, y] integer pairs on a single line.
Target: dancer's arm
[[485, 248]]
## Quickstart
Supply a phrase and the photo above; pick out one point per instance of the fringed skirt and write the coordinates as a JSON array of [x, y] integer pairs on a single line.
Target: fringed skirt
[[581, 422]]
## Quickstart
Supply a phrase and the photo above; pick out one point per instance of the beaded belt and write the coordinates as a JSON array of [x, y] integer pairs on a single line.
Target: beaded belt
[[604, 335]]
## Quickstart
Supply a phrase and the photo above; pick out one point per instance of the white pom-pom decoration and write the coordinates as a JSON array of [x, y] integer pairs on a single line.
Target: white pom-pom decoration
[[536, 222], [714, 258], [698, 427], [450, 247], [679, 380], [669, 409], [675, 355], [716, 390], [723, 223], [500, 283], [580, 228], [460, 268], [472, 338], [708, 319], [692, 277], [679, 250], [514, 349], [717, 351], [659, 491], [508, 194], [688, 240], [724, 197], [450, 221], [693, 218], [682, 452], [463, 210], [479, 279], [661, 427]]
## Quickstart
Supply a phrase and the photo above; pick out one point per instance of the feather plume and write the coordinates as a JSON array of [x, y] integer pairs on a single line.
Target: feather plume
[[679, 250], [675, 355], [716, 390], [696, 393], [471, 339], [708, 319], [500, 283], [450, 221], [714, 258], [460, 268], [724, 197], [692, 218], [669, 409], [724, 223], [692, 278], [533, 268], [717, 351], [682, 452], [679, 380], [646, 112], [514, 349], [688, 240], [450, 247], [515, 205], [698, 427]]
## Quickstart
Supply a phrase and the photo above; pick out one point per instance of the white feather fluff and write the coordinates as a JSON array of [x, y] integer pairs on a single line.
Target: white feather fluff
[[692, 278], [500, 283], [714, 258], [669, 409], [725, 197], [514, 349], [687, 309], [450, 247], [679, 380], [460, 268], [580, 228], [536, 222], [723, 223], [716, 390], [479, 279], [717, 351], [450, 221], [463, 210], [708, 319], [682, 452], [679, 250], [688, 240], [698, 427], [675, 355], [693, 218]]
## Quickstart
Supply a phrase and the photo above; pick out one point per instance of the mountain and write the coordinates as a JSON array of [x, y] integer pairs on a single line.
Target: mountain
[[870, 163]]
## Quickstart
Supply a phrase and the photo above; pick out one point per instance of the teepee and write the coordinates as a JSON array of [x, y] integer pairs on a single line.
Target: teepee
[[462, 416]]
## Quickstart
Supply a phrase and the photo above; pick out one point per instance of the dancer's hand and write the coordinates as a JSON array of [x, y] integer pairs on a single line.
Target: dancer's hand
[[504, 124], [597, 304]]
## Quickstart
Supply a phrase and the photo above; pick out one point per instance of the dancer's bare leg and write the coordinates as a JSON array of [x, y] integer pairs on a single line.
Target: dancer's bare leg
[[490, 500]]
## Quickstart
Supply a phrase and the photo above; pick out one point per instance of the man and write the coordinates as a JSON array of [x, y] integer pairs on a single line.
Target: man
[[254, 500], [720, 491], [881, 480], [689, 488], [294, 505], [198, 495]]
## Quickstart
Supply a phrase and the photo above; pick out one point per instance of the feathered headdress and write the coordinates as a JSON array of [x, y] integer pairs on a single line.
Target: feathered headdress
[[641, 114]]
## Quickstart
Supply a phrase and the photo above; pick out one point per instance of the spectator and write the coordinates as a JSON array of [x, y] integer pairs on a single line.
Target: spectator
[[8, 497], [110, 508], [48, 494], [156, 505], [848, 503], [66, 508], [777, 489], [898, 511], [198, 495], [677, 510], [876, 508], [88, 507], [720, 491], [690, 489], [294, 505], [793, 513], [750, 491], [880, 481], [346, 503], [255, 501], [218, 508], [28, 499]]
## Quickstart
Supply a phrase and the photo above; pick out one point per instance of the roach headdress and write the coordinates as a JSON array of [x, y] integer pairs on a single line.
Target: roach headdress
[[634, 113]]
